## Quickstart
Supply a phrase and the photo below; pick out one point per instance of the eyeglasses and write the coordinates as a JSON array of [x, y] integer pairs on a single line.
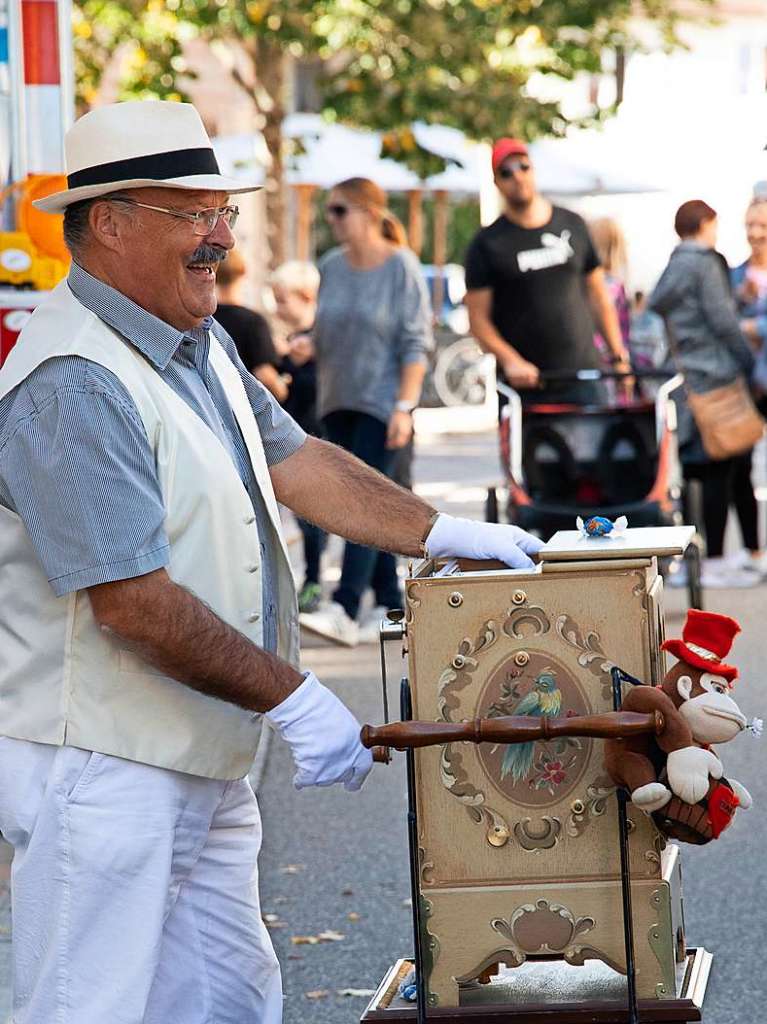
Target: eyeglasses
[[337, 210], [510, 169], [204, 221]]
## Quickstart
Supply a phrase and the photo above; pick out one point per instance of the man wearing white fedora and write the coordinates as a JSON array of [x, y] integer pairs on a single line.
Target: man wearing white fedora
[[147, 610]]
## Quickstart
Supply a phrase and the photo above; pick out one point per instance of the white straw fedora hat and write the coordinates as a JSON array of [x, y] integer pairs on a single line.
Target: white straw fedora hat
[[136, 145]]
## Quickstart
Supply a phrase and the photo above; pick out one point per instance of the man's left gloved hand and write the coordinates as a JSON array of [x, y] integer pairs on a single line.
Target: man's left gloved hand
[[323, 735], [470, 538]]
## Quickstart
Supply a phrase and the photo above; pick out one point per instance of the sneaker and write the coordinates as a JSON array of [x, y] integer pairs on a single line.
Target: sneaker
[[718, 574], [370, 625], [309, 597], [744, 560], [331, 622]]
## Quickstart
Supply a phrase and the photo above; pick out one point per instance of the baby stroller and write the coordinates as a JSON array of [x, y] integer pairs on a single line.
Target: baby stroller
[[561, 461]]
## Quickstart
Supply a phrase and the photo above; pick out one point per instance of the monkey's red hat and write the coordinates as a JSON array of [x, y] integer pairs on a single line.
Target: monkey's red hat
[[706, 640]]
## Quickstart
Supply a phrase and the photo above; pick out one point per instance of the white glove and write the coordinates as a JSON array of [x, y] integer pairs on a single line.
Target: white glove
[[470, 538], [323, 735], [689, 770]]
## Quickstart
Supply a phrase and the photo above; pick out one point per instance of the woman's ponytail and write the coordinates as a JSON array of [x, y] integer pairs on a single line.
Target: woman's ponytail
[[393, 229]]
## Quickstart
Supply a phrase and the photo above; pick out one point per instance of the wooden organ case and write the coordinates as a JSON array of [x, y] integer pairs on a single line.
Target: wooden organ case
[[518, 858]]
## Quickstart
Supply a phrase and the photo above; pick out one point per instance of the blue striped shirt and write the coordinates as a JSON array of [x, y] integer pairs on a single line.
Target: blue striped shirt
[[76, 464]]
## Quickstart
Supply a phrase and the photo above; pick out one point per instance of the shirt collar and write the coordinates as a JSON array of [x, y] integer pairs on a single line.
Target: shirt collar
[[690, 245], [154, 338]]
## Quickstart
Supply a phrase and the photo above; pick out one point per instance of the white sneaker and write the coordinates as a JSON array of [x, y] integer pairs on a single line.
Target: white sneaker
[[744, 560], [370, 625], [331, 622], [718, 574]]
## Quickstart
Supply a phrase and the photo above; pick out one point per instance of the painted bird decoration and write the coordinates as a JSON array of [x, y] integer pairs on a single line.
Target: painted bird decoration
[[543, 700]]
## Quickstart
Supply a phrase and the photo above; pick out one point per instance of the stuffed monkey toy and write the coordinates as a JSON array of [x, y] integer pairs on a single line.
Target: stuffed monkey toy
[[676, 776]]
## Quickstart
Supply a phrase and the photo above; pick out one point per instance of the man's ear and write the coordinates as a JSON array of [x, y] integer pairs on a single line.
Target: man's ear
[[106, 221], [684, 687]]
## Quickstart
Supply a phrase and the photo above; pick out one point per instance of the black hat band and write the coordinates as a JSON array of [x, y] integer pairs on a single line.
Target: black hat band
[[178, 163]]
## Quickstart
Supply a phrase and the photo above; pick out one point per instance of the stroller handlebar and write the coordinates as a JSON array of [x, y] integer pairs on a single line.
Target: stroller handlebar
[[575, 376]]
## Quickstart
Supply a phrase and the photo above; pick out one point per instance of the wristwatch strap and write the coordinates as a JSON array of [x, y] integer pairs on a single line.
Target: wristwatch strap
[[426, 532]]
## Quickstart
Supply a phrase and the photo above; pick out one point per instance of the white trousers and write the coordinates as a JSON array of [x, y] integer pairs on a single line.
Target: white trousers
[[134, 893]]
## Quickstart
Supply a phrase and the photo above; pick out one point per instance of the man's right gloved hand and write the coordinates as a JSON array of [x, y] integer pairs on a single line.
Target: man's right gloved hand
[[323, 735], [470, 538]]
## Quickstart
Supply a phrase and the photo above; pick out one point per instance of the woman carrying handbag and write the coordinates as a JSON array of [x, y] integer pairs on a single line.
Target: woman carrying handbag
[[718, 422]]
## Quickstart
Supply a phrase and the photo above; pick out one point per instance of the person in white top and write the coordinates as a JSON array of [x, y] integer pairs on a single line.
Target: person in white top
[[130, 692]]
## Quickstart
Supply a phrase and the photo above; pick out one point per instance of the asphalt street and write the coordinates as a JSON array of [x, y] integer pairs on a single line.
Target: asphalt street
[[334, 872], [330, 854]]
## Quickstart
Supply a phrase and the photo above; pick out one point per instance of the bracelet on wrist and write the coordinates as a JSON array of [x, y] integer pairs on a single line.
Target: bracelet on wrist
[[432, 520]]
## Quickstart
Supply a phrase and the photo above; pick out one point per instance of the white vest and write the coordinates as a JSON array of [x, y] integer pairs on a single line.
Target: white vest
[[63, 680]]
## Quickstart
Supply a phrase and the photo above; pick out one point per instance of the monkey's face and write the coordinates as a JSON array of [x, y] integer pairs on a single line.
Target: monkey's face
[[712, 715]]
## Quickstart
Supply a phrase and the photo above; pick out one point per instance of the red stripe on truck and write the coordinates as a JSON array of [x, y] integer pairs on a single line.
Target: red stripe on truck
[[41, 42]]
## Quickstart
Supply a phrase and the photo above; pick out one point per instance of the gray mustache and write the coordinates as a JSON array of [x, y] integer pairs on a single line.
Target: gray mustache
[[208, 254]]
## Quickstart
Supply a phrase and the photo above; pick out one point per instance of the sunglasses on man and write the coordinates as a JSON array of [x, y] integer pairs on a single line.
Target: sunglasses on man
[[510, 169]]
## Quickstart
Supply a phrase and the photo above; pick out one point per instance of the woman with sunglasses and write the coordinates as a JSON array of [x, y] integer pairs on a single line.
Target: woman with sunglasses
[[371, 336]]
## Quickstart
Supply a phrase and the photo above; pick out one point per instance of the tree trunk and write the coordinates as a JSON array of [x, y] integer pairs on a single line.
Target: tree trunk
[[271, 68]]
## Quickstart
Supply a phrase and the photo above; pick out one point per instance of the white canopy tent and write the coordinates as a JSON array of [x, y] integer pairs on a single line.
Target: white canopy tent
[[584, 163], [581, 165]]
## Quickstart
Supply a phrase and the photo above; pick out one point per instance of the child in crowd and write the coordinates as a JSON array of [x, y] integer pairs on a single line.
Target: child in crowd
[[248, 329], [294, 286]]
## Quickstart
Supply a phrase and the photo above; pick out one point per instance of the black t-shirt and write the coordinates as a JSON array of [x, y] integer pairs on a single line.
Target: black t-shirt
[[537, 276], [301, 402], [250, 333]]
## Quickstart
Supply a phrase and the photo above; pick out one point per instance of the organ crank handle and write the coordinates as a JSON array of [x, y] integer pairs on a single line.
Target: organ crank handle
[[507, 729]]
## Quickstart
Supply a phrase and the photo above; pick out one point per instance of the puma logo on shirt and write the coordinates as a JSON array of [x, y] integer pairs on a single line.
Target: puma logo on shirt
[[555, 252]]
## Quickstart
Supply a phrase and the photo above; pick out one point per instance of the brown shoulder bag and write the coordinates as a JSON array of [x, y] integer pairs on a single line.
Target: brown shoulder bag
[[726, 417]]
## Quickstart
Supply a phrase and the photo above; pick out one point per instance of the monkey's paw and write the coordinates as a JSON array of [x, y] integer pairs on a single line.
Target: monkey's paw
[[688, 772], [651, 797], [745, 800]]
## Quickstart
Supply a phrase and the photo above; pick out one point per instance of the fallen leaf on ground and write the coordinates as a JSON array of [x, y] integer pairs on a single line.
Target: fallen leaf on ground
[[361, 992], [353, 915], [304, 940], [294, 956], [318, 993], [330, 936], [347, 892], [292, 869]]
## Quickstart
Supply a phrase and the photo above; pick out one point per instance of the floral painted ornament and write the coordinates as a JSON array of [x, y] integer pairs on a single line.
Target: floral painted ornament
[[601, 526]]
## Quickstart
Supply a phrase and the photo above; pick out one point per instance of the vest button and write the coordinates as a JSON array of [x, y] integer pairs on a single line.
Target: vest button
[[253, 567], [250, 518], [254, 617]]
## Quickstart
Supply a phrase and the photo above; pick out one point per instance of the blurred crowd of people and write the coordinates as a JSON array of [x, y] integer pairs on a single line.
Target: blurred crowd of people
[[347, 343], [547, 295]]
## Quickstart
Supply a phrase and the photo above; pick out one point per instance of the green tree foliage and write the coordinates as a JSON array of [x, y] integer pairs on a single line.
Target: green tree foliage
[[471, 64]]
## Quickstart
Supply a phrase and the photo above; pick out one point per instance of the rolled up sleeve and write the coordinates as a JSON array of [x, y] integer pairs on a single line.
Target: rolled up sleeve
[[77, 467]]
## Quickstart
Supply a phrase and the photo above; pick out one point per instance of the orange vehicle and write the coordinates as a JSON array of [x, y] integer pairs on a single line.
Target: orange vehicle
[[36, 108]]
